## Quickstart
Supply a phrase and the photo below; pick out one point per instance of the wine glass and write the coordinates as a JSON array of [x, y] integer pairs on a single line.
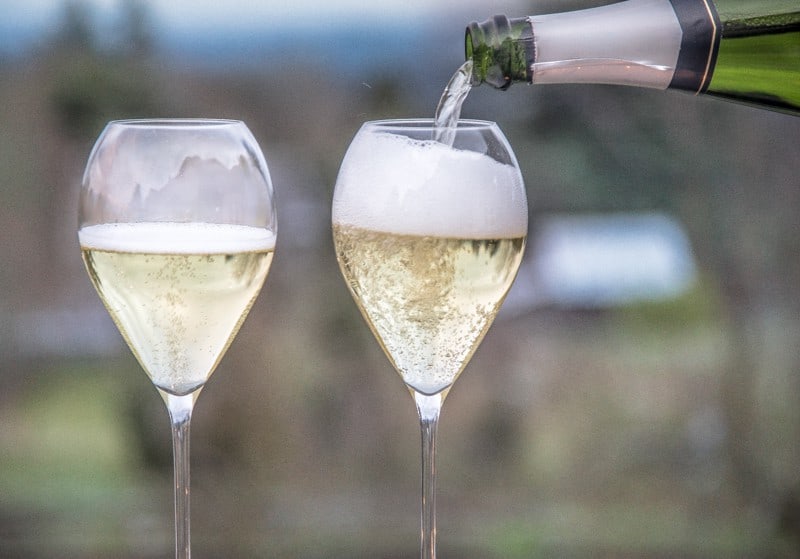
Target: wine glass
[[429, 238], [177, 230]]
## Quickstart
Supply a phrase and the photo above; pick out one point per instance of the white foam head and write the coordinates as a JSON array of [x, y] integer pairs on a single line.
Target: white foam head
[[176, 238], [399, 185]]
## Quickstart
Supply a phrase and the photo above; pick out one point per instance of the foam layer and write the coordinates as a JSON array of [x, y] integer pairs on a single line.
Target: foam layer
[[394, 184], [176, 238]]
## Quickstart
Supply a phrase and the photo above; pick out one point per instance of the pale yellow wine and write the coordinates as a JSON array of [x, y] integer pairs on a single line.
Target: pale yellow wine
[[178, 292], [428, 300]]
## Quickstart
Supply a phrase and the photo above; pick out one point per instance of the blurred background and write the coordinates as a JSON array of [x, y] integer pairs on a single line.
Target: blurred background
[[637, 397]]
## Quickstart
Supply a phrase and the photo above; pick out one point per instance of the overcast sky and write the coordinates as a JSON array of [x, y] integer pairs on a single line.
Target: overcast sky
[[231, 13]]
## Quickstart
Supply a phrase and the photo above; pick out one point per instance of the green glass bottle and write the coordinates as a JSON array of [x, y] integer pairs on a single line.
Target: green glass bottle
[[742, 50]]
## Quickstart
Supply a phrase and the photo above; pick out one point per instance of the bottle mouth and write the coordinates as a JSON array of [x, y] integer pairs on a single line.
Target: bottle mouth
[[473, 28], [469, 49]]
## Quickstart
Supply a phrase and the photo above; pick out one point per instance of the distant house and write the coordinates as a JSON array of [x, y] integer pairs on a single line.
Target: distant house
[[602, 260]]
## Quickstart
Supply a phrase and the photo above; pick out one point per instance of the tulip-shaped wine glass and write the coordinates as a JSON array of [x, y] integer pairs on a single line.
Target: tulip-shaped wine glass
[[429, 238], [177, 230]]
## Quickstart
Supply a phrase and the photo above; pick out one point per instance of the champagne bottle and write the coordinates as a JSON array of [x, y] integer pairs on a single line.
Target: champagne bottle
[[741, 50]]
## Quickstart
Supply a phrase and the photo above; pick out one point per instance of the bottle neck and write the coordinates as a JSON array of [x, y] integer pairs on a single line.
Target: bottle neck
[[577, 47], [644, 43]]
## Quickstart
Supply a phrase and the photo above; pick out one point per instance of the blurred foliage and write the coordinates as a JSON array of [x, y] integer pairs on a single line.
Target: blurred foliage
[[699, 307], [658, 430], [88, 92], [92, 85]]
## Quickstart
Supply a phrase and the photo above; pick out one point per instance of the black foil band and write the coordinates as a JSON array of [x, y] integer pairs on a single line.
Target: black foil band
[[699, 45]]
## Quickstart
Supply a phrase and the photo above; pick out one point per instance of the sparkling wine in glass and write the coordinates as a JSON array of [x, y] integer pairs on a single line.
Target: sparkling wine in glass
[[429, 237], [177, 230]]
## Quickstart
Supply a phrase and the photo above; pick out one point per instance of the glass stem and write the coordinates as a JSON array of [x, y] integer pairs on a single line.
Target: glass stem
[[428, 408], [180, 414]]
